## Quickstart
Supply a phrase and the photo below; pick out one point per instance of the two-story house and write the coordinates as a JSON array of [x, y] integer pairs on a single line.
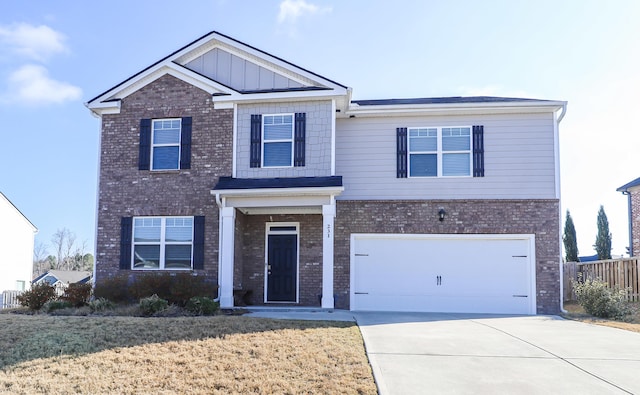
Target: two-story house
[[17, 235], [229, 162]]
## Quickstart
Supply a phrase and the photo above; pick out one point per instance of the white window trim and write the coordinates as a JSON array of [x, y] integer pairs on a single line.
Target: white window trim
[[153, 146], [269, 231], [439, 152], [291, 140], [163, 243]]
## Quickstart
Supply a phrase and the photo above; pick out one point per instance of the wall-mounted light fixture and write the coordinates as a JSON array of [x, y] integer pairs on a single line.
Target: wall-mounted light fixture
[[441, 214]]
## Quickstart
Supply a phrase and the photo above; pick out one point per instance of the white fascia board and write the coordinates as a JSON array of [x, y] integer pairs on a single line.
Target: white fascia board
[[455, 108], [98, 109], [278, 191], [159, 70], [278, 96]]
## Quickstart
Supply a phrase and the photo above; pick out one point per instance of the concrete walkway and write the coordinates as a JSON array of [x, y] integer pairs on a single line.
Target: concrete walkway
[[415, 353]]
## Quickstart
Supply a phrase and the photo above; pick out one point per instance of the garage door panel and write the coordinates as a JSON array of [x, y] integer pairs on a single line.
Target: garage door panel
[[455, 274]]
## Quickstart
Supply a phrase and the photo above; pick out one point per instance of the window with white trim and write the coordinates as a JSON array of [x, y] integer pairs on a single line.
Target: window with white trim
[[440, 152], [277, 140], [165, 144], [162, 243]]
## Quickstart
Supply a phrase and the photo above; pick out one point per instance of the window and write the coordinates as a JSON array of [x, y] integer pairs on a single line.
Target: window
[[20, 285], [440, 152], [162, 242], [165, 144], [277, 137]]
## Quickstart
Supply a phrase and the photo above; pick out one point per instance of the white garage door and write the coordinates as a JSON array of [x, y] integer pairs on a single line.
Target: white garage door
[[443, 273]]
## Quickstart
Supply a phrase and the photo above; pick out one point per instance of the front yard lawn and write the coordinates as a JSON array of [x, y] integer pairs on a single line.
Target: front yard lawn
[[576, 312], [194, 355]]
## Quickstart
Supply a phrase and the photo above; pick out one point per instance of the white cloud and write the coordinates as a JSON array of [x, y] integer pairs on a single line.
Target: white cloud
[[33, 42], [292, 10], [31, 85]]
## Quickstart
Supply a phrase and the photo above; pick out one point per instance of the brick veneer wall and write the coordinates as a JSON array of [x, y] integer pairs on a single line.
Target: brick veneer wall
[[539, 217], [310, 256], [126, 191]]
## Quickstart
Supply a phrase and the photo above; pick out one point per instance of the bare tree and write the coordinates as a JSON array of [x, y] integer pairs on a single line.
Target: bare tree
[[71, 256], [58, 241], [40, 254]]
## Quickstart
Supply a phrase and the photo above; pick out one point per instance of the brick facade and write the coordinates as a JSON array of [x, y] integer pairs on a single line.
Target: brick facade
[[539, 217], [249, 263], [126, 191]]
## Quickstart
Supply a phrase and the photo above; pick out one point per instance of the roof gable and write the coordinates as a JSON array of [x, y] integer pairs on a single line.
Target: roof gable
[[227, 69], [13, 208]]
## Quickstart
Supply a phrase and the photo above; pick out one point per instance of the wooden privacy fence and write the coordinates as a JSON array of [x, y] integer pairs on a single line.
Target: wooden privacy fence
[[622, 273]]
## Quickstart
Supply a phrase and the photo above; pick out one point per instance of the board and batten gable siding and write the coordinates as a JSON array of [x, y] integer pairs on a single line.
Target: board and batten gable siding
[[317, 140], [518, 154]]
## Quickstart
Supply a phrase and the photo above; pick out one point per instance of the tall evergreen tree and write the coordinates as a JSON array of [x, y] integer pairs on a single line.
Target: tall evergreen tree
[[603, 239], [570, 240]]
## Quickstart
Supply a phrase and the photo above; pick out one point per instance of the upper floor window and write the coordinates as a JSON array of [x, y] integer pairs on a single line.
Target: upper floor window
[[440, 152], [162, 242], [165, 144], [277, 138]]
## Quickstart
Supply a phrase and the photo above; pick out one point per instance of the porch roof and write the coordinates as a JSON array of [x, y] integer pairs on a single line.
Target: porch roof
[[228, 183]]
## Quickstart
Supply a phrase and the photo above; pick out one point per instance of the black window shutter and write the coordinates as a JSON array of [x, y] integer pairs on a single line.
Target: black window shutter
[[126, 225], [299, 139], [256, 140], [478, 151], [185, 143], [144, 159], [401, 142], [198, 242]]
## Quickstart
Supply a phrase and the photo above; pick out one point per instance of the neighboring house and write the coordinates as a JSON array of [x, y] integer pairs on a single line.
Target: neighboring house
[[234, 164], [60, 279], [17, 235], [632, 190]]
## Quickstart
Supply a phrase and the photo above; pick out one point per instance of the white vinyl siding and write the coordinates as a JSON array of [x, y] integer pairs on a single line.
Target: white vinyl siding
[[519, 159]]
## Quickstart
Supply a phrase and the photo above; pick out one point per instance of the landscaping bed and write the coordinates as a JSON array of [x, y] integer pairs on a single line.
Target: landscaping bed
[[632, 322]]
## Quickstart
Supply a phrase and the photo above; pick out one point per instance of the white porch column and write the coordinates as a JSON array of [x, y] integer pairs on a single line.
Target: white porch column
[[226, 251], [328, 216]]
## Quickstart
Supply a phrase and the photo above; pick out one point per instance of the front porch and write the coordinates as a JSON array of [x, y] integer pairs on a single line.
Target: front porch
[[276, 240]]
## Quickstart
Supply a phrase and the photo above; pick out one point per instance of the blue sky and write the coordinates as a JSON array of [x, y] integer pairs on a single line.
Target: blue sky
[[57, 55]]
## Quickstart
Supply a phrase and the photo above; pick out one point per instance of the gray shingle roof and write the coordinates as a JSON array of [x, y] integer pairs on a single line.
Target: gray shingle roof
[[631, 184], [260, 183], [444, 100]]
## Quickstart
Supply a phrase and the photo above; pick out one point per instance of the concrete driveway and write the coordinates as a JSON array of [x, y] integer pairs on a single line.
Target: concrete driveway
[[421, 353]]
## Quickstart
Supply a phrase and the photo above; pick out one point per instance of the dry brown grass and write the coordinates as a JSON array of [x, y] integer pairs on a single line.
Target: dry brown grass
[[576, 312], [191, 355]]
